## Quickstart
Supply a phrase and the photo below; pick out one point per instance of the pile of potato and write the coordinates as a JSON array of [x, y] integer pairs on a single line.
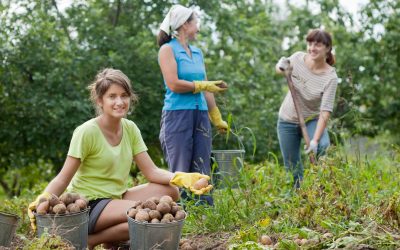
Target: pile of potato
[[156, 210], [67, 203]]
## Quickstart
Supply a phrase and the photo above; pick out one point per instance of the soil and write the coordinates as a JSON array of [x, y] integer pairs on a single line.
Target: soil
[[214, 241], [16, 243]]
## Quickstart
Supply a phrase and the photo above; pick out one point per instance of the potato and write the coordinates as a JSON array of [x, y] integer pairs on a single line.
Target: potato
[[154, 199], [81, 203], [169, 216], [222, 85], [154, 214], [82, 197], [297, 241], [66, 198], [265, 240], [166, 220], [183, 241], [142, 215], [132, 212], [186, 246], [180, 215], [136, 203], [155, 220], [73, 208], [54, 200], [166, 199], [202, 183], [75, 196], [150, 204], [174, 209], [59, 209], [42, 208], [163, 207]]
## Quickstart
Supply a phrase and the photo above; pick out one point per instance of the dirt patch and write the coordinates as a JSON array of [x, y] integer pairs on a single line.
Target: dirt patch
[[215, 241], [16, 243]]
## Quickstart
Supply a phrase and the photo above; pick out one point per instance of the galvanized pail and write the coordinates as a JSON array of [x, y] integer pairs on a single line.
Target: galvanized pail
[[229, 163], [8, 225], [145, 236], [72, 227]]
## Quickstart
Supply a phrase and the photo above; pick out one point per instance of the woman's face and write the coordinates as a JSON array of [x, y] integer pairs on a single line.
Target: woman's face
[[115, 102], [317, 50], [192, 28]]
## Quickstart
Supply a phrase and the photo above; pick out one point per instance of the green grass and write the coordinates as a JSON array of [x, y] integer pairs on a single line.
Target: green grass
[[355, 199]]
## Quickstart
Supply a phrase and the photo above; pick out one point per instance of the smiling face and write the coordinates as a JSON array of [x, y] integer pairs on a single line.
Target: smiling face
[[191, 28], [319, 44], [317, 50], [111, 93], [115, 102]]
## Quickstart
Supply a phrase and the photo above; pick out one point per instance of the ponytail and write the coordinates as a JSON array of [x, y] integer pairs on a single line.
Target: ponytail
[[163, 38], [330, 58]]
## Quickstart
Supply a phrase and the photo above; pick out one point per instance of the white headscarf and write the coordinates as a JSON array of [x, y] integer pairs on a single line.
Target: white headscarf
[[176, 16]]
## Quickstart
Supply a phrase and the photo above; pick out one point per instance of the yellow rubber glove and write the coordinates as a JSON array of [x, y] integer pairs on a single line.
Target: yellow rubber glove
[[32, 207], [210, 86], [187, 180], [216, 120]]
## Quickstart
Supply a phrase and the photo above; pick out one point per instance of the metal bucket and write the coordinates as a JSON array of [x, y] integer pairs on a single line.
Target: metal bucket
[[145, 236], [229, 163], [72, 227], [8, 225]]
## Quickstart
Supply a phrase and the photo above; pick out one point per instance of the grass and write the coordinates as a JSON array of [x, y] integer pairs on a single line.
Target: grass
[[344, 202], [353, 200]]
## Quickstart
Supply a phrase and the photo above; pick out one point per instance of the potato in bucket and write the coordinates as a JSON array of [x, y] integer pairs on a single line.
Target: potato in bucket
[[159, 228], [68, 221]]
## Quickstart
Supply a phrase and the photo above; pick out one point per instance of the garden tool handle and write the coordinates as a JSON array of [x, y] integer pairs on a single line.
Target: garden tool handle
[[288, 75]]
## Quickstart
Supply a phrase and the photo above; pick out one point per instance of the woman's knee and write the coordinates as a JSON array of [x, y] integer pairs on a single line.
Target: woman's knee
[[173, 192]]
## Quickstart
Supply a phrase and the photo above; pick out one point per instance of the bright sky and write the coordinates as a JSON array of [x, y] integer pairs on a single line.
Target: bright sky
[[353, 6]]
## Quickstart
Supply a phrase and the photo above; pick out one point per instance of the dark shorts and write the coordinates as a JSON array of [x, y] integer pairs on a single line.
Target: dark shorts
[[96, 207]]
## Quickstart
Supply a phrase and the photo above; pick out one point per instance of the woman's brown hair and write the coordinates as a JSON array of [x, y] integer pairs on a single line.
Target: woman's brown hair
[[102, 82], [321, 36]]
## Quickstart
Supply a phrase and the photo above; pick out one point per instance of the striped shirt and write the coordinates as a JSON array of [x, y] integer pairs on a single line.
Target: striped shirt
[[315, 92]]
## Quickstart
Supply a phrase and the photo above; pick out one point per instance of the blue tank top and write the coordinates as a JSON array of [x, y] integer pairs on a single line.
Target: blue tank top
[[189, 69]]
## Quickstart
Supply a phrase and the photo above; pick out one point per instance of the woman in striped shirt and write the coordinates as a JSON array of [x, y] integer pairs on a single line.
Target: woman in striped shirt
[[315, 82]]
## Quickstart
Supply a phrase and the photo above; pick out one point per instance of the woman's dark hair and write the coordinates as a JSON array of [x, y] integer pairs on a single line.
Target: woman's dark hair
[[321, 36], [164, 37]]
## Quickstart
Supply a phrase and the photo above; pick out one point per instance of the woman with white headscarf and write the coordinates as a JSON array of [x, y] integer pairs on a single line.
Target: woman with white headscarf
[[189, 102]]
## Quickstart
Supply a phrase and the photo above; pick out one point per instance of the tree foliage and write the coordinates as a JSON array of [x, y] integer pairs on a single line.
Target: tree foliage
[[50, 55]]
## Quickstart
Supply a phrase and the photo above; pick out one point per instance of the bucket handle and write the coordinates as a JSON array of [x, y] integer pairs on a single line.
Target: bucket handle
[[227, 136]]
